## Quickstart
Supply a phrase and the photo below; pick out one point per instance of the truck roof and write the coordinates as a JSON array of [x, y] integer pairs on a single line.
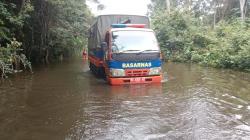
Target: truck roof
[[131, 29], [114, 18], [103, 23], [120, 15]]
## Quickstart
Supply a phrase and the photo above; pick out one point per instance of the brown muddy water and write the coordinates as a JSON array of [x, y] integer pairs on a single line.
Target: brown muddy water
[[66, 102]]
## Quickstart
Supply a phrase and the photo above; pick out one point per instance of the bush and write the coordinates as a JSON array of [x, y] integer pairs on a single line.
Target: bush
[[184, 39], [12, 60]]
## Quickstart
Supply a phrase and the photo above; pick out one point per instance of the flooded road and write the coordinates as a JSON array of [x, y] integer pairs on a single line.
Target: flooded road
[[66, 102]]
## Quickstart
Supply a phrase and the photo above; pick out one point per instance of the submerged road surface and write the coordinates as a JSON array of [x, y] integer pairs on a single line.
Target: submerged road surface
[[66, 102]]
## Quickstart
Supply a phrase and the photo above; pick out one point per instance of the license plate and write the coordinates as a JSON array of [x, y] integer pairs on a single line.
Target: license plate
[[138, 79]]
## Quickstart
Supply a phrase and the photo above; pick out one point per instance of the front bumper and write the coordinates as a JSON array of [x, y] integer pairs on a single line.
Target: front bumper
[[134, 80]]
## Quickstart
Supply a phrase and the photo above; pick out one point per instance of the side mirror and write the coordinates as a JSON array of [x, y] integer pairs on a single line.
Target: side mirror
[[104, 45]]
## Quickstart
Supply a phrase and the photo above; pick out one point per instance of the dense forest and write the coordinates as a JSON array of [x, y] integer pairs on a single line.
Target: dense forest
[[40, 31], [210, 32]]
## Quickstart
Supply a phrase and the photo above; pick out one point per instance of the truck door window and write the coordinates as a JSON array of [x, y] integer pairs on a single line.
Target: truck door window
[[107, 41], [107, 38]]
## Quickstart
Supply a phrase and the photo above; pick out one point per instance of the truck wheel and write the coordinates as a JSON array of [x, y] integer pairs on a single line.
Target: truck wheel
[[91, 67], [101, 72]]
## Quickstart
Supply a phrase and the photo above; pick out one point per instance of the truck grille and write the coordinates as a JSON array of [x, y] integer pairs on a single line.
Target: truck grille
[[136, 72]]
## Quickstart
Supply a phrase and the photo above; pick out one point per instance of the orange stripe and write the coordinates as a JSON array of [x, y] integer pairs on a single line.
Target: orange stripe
[[134, 80], [96, 61]]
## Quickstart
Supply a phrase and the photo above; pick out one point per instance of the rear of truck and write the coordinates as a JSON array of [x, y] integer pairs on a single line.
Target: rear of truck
[[128, 54]]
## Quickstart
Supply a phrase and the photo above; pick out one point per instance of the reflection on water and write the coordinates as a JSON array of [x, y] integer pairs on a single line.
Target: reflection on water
[[65, 101]]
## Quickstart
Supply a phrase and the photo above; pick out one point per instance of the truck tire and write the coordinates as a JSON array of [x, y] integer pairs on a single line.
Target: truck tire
[[98, 71], [91, 67], [101, 72]]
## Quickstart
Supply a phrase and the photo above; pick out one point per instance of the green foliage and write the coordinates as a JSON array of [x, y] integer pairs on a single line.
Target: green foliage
[[58, 29], [72, 21], [183, 38], [12, 21], [11, 58], [47, 30]]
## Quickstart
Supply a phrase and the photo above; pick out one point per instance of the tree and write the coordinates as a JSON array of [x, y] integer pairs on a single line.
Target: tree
[[57, 29], [186, 35], [168, 6], [45, 30], [243, 9], [13, 15]]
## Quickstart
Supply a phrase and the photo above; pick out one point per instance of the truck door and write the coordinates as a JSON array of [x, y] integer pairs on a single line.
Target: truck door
[[106, 52]]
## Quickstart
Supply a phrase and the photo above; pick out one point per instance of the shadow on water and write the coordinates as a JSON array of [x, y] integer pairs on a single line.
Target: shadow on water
[[66, 101]]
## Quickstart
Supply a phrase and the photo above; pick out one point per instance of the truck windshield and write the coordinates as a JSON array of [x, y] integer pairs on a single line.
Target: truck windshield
[[134, 42]]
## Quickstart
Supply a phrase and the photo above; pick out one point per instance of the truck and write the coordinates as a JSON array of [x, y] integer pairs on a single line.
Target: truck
[[124, 50]]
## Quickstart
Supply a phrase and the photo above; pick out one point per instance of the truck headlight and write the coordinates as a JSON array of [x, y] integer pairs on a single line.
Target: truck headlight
[[117, 72], [155, 71]]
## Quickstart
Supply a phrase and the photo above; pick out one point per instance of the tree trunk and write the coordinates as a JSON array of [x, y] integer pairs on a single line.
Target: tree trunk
[[189, 4], [215, 13], [242, 9], [47, 56], [246, 7], [168, 6]]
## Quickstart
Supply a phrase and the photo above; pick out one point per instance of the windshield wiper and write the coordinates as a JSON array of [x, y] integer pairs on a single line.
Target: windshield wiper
[[147, 51]]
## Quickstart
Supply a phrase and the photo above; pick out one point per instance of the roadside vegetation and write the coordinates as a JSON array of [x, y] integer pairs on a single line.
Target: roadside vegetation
[[213, 33], [40, 31]]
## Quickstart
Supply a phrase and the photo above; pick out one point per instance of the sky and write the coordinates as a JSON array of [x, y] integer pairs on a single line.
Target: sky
[[134, 7]]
